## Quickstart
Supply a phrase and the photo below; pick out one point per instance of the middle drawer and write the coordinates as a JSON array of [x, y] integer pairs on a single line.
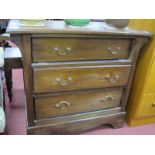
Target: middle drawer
[[56, 79]]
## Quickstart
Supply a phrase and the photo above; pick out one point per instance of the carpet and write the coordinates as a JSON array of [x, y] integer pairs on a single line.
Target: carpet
[[15, 115]]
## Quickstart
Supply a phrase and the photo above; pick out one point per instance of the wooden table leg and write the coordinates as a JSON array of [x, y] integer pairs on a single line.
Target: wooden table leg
[[8, 77]]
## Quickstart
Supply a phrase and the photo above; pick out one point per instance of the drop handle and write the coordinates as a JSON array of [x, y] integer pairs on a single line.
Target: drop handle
[[56, 49], [64, 82], [62, 52], [107, 98], [63, 104], [112, 79], [68, 49], [113, 51]]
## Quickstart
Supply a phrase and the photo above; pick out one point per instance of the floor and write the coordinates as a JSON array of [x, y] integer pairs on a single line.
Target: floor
[[15, 115]]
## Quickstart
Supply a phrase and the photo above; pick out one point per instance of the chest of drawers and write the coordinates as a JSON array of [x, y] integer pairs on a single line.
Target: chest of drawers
[[141, 108], [76, 79]]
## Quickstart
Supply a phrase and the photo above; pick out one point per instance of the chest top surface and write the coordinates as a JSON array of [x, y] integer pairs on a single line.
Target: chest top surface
[[59, 27]]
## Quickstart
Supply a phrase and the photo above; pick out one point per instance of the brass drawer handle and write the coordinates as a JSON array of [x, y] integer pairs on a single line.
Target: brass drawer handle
[[68, 49], [107, 98], [112, 79], [114, 51], [62, 52], [153, 104], [64, 82], [63, 104]]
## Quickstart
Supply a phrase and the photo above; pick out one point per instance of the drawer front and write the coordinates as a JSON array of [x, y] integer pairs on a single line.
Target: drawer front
[[150, 85], [147, 105], [153, 67], [73, 103], [74, 78], [64, 49]]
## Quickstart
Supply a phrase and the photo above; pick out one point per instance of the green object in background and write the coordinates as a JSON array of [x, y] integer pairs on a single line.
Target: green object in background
[[77, 22]]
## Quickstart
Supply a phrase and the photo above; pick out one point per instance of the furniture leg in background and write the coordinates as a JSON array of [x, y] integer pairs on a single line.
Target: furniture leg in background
[[13, 60]]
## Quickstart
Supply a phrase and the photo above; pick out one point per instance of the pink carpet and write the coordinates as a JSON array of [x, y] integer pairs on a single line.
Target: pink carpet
[[15, 115]]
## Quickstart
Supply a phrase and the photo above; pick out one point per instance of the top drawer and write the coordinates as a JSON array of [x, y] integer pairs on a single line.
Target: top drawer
[[68, 49]]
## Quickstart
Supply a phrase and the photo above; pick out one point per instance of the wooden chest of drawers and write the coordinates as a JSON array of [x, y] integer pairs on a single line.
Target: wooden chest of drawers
[[76, 79], [141, 108]]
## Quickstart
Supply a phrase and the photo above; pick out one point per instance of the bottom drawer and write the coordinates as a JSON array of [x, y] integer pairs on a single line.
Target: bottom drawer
[[147, 105], [47, 106]]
